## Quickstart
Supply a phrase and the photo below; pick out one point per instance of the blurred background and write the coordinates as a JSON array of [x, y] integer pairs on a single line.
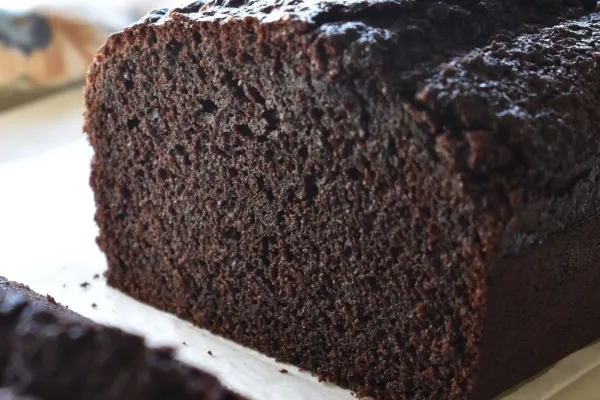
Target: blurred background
[[46, 45]]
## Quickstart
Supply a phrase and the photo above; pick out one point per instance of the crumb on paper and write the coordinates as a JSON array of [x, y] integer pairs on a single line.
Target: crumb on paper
[[50, 299], [64, 285], [210, 353], [84, 284], [97, 276], [184, 343], [283, 371], [94, 305]]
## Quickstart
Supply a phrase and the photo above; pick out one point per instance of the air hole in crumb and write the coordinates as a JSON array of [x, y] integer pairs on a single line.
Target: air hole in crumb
[[262, 138], [208, 106], [163, 174], [310, 187], [270, 195], [228, 78], [353, 174], [277, 64], [132, 123], [394, 252], [243, 130], [232, 233], [315, 115], [348, 148], [201, 72], [151, 39], [260, 182], [198, 149], [347, 251], [303, 152], [289, 256], [339, 328], [280, 218], [125, 192], [196, 37], [44, 318], [179, 150], [291, 195], [174, 47], [255, 95], [272, 118], [128, 84], [266, 244], [269, 155], [392, 149]]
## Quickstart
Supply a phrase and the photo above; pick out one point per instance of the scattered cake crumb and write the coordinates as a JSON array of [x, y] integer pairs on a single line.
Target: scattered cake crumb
[[97, 276], [94, 305], [64, 285], [51, 299], [210, 353], [184, 343], [283, 371], [84, 284]]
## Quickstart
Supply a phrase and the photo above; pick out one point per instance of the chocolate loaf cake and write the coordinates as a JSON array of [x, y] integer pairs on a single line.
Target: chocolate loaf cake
[[399, 196], [50, 353]]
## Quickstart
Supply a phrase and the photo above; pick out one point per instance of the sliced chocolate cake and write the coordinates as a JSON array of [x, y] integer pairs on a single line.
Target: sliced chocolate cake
[[50, 353], [399, 196]]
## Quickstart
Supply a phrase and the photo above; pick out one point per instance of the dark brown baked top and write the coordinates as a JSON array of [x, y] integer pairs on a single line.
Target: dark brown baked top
[[418, 35], [522, 115], [50, 352]]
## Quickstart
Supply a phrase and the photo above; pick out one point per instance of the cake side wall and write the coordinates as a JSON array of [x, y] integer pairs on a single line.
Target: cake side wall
[[542, 306], [519, 120], [249, 187]]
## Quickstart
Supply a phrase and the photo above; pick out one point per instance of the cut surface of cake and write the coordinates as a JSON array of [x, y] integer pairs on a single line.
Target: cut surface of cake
[[398, 196], [48, 352]]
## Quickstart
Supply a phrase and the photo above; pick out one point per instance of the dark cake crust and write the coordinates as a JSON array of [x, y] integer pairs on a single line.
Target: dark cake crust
[[51, 353], [358, 188]]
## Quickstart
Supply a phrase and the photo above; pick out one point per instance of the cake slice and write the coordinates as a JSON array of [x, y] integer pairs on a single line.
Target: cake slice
[[48, 352], [399, 196]]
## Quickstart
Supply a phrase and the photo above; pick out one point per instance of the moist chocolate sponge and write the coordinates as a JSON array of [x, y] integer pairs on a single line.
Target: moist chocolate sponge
[[48, 352], [398, 196]]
